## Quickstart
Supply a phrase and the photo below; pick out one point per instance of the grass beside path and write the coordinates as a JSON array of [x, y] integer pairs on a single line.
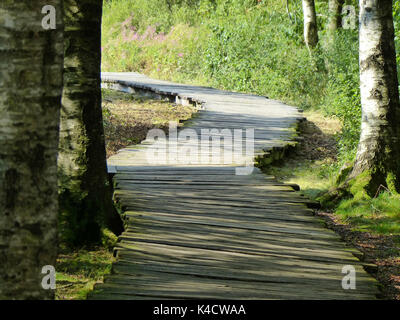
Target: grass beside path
[[79, 270]]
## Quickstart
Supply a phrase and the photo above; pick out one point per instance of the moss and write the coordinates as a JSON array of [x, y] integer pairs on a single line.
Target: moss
[[332, 198], [344, 173], [354, 188], [358, 185], [108, 238], [79, 220], [78, 271], [391, 182], [380, 215]]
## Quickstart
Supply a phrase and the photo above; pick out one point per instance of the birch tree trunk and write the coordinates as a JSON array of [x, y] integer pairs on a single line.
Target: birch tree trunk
[[310, 23], [378, 155], [335, 11], [30, 101], [85, 194]]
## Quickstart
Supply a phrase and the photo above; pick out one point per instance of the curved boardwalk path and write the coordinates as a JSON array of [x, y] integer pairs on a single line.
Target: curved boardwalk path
[[201, 231]]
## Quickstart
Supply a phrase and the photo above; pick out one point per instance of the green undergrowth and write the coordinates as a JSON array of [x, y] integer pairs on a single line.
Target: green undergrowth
[[79, 270], [314, 167], [312, 177], [239, 45], [251, 46], [380, 214]]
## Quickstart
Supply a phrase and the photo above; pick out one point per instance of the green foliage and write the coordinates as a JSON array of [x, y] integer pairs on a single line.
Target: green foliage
[[79, 270], [342, 93], [250, 46], [108, 239], [379, 215]]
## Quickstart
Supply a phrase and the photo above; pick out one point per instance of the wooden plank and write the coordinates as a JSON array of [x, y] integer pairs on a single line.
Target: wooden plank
[[332, 279], [166, 254], [203, 241], [183, 286], [308, 241], [225, 215]]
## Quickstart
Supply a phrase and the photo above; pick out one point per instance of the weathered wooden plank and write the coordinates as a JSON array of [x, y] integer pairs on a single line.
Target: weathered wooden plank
[[142, 213], [257, 215], [199, 186], [308, 241], [242, 204], [266, 251], [144, 251], [332, 279], [183, 286], [245, 246]]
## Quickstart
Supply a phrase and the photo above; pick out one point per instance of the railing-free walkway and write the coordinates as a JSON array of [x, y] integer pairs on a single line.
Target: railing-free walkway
[[201, 229]]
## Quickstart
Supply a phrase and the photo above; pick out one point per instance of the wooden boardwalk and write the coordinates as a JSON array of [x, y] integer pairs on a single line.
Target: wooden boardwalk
[[200, 230]]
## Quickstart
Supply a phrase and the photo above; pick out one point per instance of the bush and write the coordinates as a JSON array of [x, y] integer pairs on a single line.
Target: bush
[[342, 95]]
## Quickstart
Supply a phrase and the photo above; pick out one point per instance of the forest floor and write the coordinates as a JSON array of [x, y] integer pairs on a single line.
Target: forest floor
[[309, 166], [127, 119], [78, 270]]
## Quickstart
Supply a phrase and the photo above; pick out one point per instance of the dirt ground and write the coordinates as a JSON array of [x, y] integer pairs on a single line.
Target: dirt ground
[[127, 118], [380, 250]]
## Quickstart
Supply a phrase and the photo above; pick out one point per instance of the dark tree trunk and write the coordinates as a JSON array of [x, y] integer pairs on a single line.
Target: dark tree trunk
[[378, 156], [85, 194], [31, 64]]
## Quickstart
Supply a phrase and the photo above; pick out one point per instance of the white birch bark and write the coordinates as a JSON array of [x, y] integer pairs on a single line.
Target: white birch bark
[[378, 150], [310, 23]]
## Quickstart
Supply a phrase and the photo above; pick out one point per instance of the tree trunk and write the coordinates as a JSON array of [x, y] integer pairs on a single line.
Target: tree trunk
[[30, 100], [335, 14], [378, 154], [84, 190], [310, 24]]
